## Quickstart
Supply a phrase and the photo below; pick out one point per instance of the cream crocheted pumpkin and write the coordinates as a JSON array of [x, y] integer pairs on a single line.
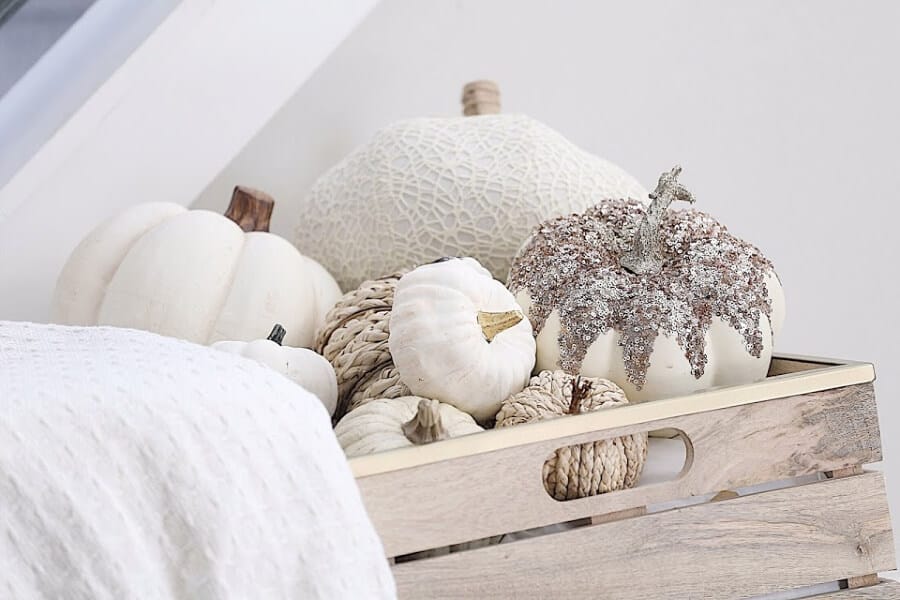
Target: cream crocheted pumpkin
[[467, 186], [662, 303], [394, 423], [586, 469], [458, 335], [195, 275]]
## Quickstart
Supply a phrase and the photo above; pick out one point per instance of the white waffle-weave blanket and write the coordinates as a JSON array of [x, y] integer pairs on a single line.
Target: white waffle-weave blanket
[[137, 466]]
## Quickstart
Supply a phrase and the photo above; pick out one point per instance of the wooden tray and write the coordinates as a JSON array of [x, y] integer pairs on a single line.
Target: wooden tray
[[772, 498]]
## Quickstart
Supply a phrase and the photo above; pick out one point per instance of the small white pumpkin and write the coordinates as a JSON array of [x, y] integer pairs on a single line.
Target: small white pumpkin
[[429, 187], [459, 336], [392, 423], [304, 367], [195, 275]]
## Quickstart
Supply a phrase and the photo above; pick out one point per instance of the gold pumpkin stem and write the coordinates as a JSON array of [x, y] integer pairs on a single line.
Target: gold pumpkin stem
[[251, 209], [494, 323], [481, 98], [426, 426]]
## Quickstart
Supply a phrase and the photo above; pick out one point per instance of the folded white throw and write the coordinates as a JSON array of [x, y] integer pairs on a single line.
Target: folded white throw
[[137, 466]]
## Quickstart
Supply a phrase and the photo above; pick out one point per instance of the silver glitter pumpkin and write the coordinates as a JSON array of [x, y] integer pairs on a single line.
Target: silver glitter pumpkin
[[661, 302]]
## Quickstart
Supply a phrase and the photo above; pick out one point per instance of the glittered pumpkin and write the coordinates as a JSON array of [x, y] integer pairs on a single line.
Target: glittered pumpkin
[[585, 469], [661, 302], [429, 187]]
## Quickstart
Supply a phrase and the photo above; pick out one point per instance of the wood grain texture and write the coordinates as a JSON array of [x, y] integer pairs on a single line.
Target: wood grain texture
[[821, 375], [738, 548], [884, 590], [250, 208], [428, 506]]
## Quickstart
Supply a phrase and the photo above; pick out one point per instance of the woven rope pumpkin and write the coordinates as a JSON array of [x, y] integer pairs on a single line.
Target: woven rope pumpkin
[[585, 469], [354, 339]]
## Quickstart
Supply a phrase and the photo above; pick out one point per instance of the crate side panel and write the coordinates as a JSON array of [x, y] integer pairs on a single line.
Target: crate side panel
[[744, 547], [498, 492]]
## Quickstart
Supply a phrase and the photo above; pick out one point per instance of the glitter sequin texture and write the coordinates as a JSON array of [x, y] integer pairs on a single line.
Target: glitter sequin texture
[[571, 263]]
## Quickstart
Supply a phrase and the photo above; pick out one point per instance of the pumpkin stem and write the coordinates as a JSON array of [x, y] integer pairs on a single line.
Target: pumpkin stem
[[645, 256], [481, 98], [426, 426], [580, 390], [278, 333], [493, 323], [251, 209]]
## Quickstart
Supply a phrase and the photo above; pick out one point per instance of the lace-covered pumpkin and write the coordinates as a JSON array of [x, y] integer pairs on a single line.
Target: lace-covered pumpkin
[[431, 187]]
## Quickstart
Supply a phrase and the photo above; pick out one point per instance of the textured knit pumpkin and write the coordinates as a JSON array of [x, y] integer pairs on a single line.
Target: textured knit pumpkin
[[458, 335], [662, 303], [354, 339], [586, 469], [430, 187], [402, 422], [194, 274], [304, 367]]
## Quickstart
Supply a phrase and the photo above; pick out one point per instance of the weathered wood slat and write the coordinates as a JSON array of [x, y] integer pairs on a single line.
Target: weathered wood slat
[[738, 548], [884, 590], [817, 375], [486, 494]]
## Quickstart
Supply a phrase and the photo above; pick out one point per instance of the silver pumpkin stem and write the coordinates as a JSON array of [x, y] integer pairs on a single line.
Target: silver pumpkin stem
[[645, 256]]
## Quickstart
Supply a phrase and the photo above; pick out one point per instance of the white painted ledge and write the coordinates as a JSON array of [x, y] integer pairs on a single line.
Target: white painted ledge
[[166, 122]]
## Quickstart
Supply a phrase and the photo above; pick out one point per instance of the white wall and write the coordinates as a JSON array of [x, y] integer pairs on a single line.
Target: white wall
[[784, 116], [178, 108]]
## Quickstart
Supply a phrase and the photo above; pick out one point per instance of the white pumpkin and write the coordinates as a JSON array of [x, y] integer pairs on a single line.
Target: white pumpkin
[[195, 274], [458, 335], [388, 424], [308, 369], [662, 303], [430, 187]]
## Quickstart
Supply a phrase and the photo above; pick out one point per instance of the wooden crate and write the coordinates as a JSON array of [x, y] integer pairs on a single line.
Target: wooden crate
[[772, 498]]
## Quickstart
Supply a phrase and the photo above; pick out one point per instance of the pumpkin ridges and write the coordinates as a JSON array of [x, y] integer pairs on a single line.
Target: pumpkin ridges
[[377, 426]]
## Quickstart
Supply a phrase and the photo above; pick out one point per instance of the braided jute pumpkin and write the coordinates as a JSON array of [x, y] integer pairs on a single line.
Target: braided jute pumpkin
[[354, 339], [584, 469]]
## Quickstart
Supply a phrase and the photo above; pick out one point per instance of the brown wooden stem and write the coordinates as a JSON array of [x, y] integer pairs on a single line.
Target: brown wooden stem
[[580, 390], [426, 426], [251, 209], [481, 98]]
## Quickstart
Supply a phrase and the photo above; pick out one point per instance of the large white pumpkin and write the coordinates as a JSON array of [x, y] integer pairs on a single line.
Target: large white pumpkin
[[662, 303], [466, 186], [195, 275]]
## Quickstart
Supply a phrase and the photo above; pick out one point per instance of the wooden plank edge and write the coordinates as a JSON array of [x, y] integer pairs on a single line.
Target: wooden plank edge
[[883, 589], [780, 386]]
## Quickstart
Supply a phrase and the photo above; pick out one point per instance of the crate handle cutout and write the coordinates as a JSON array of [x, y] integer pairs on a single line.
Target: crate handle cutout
[[607, 465]]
